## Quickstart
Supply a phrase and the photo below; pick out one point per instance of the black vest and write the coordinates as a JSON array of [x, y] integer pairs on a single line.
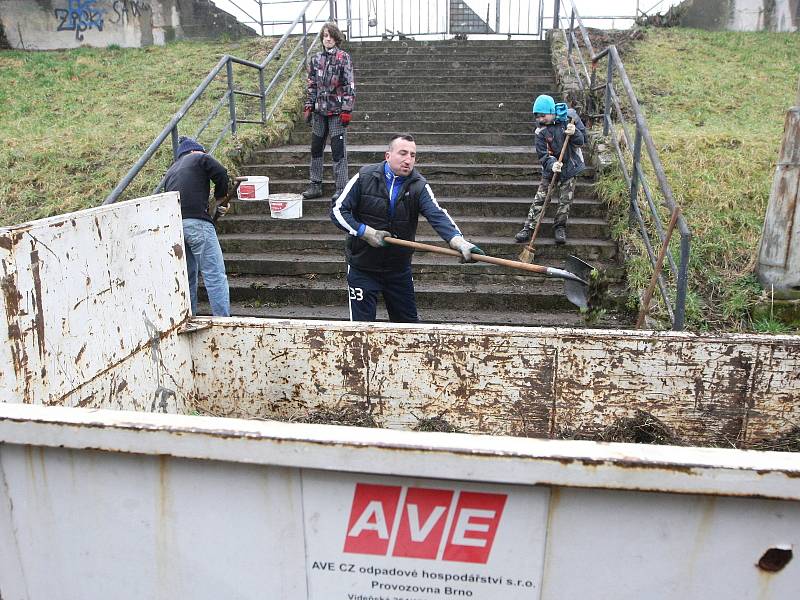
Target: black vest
[[373, 210]]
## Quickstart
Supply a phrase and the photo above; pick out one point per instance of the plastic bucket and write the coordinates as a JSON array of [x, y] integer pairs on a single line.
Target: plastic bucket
[[286, 206], [255, 187]]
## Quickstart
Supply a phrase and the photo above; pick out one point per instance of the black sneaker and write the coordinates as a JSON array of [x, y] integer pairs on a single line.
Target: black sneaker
[[314, 190], [523, 236], [561, 235]]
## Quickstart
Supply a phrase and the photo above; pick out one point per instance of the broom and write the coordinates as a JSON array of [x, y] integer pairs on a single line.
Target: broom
[[526, 255]]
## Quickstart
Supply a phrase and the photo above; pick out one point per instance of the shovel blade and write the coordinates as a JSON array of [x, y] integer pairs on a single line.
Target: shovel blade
[[577, 292]]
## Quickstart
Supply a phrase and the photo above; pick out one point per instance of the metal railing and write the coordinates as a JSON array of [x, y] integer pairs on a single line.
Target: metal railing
[[228, 99], [635, 178]]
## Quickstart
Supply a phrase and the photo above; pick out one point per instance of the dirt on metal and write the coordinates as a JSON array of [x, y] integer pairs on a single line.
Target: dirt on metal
[[437, 423], [348, 415]]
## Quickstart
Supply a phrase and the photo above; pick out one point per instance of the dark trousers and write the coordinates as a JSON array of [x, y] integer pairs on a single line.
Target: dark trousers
[[398, 294]]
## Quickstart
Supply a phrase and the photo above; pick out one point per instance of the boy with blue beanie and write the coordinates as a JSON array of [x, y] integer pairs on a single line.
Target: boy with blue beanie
[[551, 132]]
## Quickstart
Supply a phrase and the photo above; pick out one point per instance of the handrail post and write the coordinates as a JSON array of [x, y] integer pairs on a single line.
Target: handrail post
[[261, 15], [263, 95], [682, 284], [556, 9], [607, 107], [174, 135], [635, 172], [231, 96], [332, 11]]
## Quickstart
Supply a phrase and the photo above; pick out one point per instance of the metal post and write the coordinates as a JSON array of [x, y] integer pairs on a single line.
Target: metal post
[[607, 107], [263, 94], [635, 172], [231, 96], [683, 282], [556, 9], [332, 13], [349, 20], [496, 17], [174, 134], [261, 15]]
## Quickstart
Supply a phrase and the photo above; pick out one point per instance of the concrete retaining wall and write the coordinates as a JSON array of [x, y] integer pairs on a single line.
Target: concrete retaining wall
[[58, 24], [742, 15]]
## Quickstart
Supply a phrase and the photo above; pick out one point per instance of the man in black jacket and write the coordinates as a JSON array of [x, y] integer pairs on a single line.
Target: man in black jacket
[[191, 175], [383, 200]]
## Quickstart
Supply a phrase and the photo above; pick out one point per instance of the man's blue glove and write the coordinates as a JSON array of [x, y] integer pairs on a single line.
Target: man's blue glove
[[466, 248]]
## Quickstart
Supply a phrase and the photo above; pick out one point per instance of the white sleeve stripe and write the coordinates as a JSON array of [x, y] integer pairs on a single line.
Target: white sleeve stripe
[[436, 204], [337, 208]]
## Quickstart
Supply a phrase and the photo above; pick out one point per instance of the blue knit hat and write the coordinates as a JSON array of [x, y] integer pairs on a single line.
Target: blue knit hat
[[187, 144]]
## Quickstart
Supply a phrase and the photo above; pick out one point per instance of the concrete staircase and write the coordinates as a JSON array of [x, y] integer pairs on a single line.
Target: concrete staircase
[[468, 106]]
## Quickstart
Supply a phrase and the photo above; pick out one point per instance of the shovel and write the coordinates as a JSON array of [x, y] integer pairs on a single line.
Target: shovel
[[576, 279], [227, 199]]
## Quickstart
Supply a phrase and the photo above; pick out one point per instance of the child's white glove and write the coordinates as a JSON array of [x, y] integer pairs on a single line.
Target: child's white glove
[[223, 209], [557, 167], [570, 130]]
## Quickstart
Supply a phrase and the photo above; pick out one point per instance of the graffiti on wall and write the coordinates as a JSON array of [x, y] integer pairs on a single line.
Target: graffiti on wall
[[125, 9], [80, 16]]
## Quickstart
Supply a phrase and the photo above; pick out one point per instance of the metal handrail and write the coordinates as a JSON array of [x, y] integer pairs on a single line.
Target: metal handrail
[[229, 98], [635, 179]]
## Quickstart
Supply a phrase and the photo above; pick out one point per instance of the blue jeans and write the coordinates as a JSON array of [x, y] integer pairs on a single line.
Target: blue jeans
[[204, 254], [398, 294]]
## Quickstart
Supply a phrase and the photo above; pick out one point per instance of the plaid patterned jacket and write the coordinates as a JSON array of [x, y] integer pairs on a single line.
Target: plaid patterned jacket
[[331, 87]]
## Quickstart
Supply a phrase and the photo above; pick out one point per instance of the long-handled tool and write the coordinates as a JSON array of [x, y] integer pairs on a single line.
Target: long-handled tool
[[228, 197], [527, 253], [648, 295], [576, 280]]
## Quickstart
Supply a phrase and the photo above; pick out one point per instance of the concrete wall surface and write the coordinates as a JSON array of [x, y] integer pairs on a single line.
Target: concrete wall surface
[[742, 15], [59, 24]]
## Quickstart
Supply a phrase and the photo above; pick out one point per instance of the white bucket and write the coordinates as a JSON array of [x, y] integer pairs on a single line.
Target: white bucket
[[254, 187], [286, 206]]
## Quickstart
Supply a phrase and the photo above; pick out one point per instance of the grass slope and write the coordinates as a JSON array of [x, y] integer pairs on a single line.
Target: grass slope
[[73, 122], [715, 104]]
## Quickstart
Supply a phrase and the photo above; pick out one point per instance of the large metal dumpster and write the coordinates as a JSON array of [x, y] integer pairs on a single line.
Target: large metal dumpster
[[150, 501]]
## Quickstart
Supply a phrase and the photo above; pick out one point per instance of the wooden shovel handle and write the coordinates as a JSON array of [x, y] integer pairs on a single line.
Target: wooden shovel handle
[[503, 262], [550, 189]]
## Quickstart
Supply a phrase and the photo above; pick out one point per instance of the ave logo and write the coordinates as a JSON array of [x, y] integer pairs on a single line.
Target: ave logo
[[424, 523]]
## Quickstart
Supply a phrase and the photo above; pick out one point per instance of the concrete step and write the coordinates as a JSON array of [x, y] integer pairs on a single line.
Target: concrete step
[[427, 267], [300, 136], [425, 154], [529, 296], [493, 115], [458, 207], [478, 89], [418, 96], [458, 125], [392, 68], [340, 312], [307, 244], [366, 104], [449, 188], [506, 226], [434, 172], [426, 78]]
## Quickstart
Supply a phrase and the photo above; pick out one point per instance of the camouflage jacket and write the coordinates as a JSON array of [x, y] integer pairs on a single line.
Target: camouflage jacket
[[331, 88]]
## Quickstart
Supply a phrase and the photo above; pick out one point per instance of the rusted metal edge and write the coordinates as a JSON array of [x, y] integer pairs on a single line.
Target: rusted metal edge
[[59, 220], [461, 457], [495, 330]]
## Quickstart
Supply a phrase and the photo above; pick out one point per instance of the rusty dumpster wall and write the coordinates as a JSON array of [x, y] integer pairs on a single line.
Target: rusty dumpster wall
[[733, 390], [92, 302]]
